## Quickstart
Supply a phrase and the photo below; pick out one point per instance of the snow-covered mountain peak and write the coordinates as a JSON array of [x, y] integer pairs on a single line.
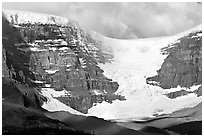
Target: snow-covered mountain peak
[[18, 17]]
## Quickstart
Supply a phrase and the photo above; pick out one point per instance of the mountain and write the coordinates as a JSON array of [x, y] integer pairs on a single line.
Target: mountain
[[64, 61], [56, 73]]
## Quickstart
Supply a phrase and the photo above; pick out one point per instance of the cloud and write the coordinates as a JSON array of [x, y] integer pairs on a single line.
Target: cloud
[[124, 20]]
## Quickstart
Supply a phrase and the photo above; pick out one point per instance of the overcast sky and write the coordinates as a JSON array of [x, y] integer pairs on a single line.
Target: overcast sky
[[123, 20]]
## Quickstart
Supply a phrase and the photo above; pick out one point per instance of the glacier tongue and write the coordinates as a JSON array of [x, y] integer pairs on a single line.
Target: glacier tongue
[[134, 60]]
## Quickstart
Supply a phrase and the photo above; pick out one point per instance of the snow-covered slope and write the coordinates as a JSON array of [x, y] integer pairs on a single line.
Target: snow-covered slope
[[18, 17], [134, 61], [53, 104]]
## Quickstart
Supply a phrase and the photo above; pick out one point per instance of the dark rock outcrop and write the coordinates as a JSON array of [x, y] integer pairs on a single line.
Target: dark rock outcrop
[[83, 103], [183, 65], [176, 94]]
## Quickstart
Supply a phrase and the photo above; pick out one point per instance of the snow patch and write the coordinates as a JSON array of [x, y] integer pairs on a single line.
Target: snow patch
[[47, 85], [64, 43], [33, 45], [63, 48], [51, 71], [53, 49], [179, 88], [55, 93], [39, 82], [198, 35], [68, 65], [53, 104], [96, 92], [36, 49]]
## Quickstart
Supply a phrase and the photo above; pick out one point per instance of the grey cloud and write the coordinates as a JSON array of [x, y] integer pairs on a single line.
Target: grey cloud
[[124, 20]]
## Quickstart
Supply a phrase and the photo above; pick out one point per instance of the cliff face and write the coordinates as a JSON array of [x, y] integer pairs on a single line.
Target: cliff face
[[59, 57], [182, 67], [17, 86]]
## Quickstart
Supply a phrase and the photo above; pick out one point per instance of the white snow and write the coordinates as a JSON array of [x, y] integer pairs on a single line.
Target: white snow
[[49, 41], [37, 81], [83, 66], [104, 91], [53, 104], [153, 82], [38, 41], [85, 47], [74, 40], [63, 48], [92, 47], [134, 61], [195, 37], [33, 44], [64, 43], [179, 88], [57, 40], [198, 35], [53, 49], [185, 33], [51, 71], [96, 92], [47, 85], [175, 42], [68, 65], [55, 93], [82, 62], [29, 17], [36, 49], [17, 26]]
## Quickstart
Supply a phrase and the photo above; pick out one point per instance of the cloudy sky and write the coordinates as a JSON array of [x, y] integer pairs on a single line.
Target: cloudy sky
[[123, 20]]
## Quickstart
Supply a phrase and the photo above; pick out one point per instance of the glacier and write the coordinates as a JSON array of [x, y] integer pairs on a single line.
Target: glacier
[[134, 61]]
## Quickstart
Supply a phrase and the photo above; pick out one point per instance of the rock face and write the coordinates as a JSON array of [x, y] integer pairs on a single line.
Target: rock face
[[59, 57], [83, 103], [183, 65], [15, 72]]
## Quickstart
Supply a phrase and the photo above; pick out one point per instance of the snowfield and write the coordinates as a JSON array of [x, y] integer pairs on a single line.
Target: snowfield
[[134, 60]]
